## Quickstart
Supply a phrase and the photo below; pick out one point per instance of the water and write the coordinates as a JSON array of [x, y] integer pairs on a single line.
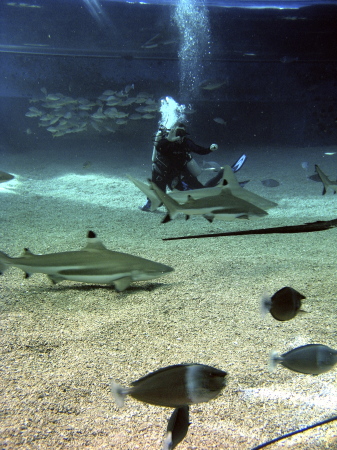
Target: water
[[171, 112], [192, 20]]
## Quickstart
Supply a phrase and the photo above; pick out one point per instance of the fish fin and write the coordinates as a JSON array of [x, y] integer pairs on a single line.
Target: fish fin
[[148, 191], [27, 275], [187, 217], [93, 243], [166, 219], [122, 283], [167, 444], [243, 216], [55, 278], [273, 360], [4, 262], [118, 392], [209, 217], [27, 252], [265, 304], [301, 311]]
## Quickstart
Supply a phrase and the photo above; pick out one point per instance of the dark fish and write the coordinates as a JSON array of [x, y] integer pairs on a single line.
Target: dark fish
[[4, 176], [270, 183], [312, 359], [177, 427], [284, 304], [174, 386]]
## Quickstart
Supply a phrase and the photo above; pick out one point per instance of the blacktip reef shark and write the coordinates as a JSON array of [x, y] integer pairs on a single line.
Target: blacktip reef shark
[[223, 205], [93, 264], [228, 180], [326, 181]]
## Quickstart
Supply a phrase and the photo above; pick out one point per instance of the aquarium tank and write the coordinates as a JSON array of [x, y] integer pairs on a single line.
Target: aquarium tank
[[265, 70], [128, 300]]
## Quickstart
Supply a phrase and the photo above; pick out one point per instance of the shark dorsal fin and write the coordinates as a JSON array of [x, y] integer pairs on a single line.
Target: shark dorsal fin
[[229, 179], [27, 252], [93, 243]]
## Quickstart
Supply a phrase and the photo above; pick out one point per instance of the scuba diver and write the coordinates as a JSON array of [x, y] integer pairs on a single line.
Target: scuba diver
[[172, 163]]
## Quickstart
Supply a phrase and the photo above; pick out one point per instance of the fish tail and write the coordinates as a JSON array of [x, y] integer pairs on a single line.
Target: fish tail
[[4, 262], [118, 392], [265, 305], [167, 444], [273, 360], [325, 180]]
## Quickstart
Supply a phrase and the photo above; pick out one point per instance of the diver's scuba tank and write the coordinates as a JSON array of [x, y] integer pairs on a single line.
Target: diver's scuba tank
[[162, 132], [193, 167]]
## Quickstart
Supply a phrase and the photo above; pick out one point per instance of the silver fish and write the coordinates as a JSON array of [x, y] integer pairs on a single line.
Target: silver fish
[[312, 359]]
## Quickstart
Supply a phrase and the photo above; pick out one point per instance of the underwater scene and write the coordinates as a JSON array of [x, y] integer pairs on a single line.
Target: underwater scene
[[168, 224]]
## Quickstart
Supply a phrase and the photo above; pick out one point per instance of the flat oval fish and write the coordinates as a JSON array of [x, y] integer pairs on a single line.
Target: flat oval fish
[[93, 264], [177, 427], [311, 359], [284, 305], [174, 386], [270, 182]]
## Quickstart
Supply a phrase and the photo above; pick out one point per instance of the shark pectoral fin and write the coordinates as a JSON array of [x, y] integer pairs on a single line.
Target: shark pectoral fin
[[166, 219], [55, 278], [148, 191], [209, 217], [122, 283], [243, 216]]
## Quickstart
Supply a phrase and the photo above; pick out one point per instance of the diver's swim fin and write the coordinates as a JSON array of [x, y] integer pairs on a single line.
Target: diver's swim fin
[[239, 163]]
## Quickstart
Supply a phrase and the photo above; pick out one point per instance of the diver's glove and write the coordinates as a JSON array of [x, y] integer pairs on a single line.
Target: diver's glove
[[213, 147], [172, 136]]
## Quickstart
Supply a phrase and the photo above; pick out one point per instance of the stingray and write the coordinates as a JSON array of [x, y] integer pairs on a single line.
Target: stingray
[[270, 183], [319, 225], [4, 176]]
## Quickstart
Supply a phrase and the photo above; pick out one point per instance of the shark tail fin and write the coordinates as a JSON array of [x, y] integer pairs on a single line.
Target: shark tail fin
[[325, 180], [4, 262]]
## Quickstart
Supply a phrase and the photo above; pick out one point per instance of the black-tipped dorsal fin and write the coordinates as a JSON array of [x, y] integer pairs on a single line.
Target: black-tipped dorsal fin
[[93, 243], [27, 252]]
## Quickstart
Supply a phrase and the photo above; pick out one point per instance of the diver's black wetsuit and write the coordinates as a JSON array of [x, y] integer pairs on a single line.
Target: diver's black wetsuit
[[170, 165]]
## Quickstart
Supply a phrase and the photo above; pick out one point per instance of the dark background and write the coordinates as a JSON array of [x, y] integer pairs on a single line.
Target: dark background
[[280, 67]]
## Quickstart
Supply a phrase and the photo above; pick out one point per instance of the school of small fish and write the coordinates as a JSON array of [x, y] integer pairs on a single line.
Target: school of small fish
[[61, 114]]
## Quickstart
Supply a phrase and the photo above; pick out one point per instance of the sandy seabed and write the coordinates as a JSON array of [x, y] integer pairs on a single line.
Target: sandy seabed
[[61, 344]]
